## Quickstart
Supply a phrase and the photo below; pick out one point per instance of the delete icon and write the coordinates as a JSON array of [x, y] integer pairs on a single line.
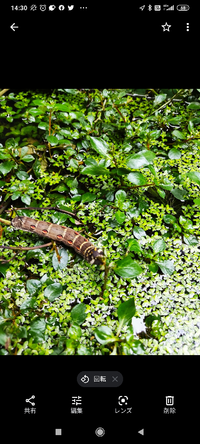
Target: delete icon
[[169, 400]]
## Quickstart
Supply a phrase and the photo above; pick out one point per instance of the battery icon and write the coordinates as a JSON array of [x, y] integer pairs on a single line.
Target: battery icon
[[183, 7]]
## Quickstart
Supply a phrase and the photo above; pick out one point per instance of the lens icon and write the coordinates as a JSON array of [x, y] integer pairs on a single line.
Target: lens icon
[[100, 432]]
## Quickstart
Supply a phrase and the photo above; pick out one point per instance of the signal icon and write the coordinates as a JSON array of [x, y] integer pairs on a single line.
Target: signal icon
[[171, 8]]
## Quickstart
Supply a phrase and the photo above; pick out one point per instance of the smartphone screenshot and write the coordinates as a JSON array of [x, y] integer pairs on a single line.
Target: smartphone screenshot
[[99, 222]]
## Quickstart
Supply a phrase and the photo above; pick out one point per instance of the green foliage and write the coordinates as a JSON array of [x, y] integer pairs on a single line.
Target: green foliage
[[127, 169]]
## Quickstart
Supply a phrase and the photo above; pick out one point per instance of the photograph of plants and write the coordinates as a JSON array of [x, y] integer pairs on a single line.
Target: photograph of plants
[[99, 222]]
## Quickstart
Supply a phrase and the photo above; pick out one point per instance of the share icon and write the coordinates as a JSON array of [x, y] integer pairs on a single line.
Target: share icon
[[28, 400]]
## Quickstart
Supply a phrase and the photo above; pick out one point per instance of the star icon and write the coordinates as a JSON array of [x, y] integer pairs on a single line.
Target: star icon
[[166, 27]]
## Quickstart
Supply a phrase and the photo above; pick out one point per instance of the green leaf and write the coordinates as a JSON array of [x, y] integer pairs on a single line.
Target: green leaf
[[90, 161], [179, 194], [190, 126], [70, 347], [34, 112], [28, 304], [159, 246], [126, 311], [166, 184], [28, 158], [167, 267], [61, 188], [138, 232], [154, 134], [78, 314], [67, 133], [88, 197], [95, 170], [11, 143], [74, 332], [134, 246], [99, 145], [22, 332], [3, 336], [24, 150], [161, 193], [174, 120], [168, 219], [15, 195], [39, 102], [110, 196], [187, 223], [26, 199], [195, 120], [63, 108], [190, 240], [159, 99], [37, 168], [178, 134], [43, 126], [152, 169], [149, 155], [22, 175], [119, 171], [156, 330], [137, 347], [194, 105], [174, 154], [33, 286], [139, 160], [120, 217], [4, 155], [197, 201], [59, 218], [104, 335], [76, 115], [120, 197], [62, 263], [6, 167], [127, 268], [150, 319], [194, 176], [3, 269], [53, 291], [153, 267], [177, 227], [37, 330], [133, 213], [52, 140], [137, 178], [82, 350]]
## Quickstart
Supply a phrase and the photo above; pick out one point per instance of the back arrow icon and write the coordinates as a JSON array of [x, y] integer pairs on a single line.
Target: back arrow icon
[[13, 26]]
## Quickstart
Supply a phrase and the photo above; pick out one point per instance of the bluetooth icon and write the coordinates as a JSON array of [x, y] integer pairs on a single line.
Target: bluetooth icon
[[150, 8]]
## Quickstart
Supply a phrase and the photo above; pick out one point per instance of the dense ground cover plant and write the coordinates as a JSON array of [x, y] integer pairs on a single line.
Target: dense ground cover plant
[[123, 166]]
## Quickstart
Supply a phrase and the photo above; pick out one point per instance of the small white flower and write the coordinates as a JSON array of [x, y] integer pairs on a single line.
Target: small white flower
[[138, 325]]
